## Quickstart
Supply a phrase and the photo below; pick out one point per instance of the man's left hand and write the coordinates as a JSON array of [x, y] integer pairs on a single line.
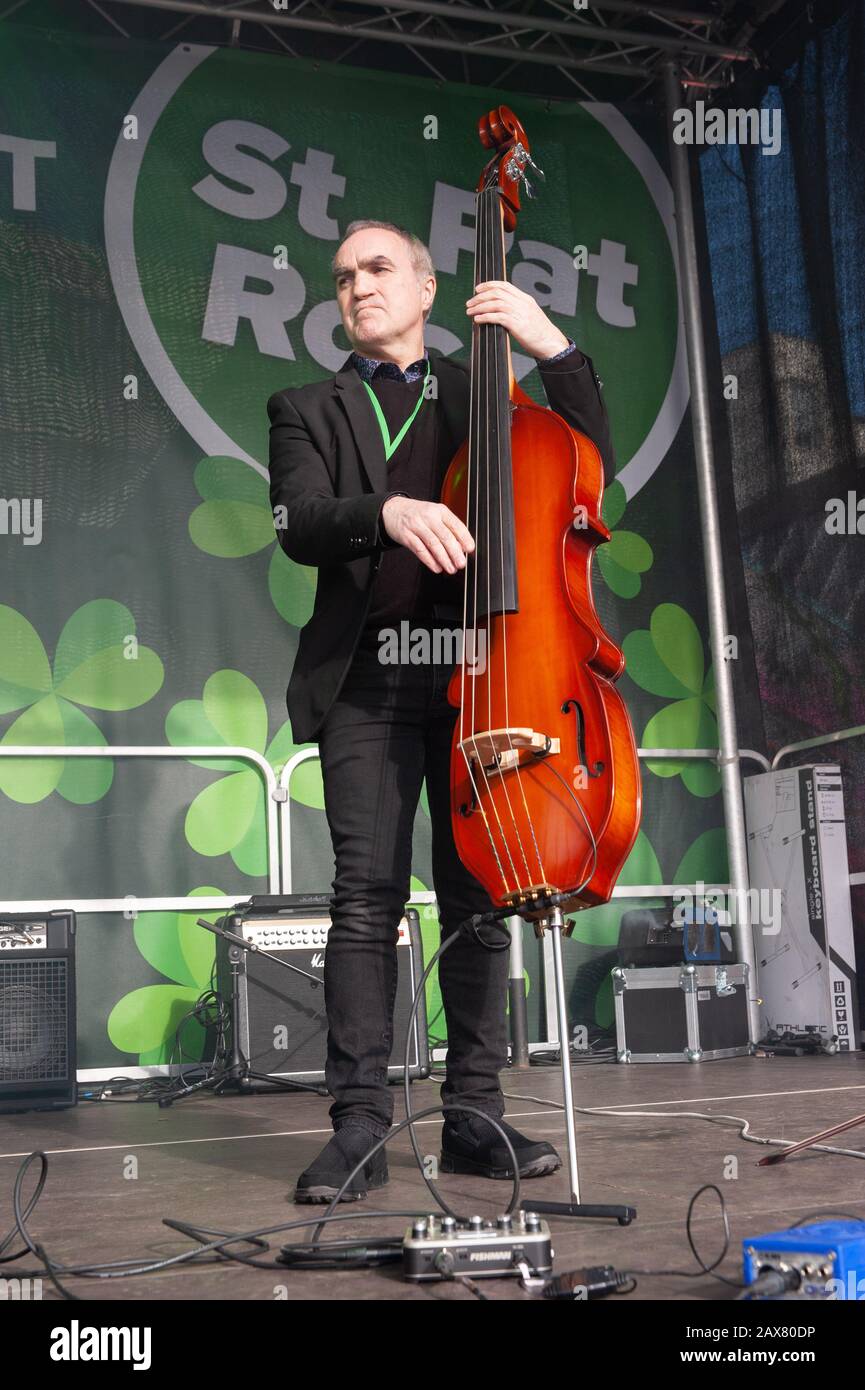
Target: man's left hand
[[498, 301]]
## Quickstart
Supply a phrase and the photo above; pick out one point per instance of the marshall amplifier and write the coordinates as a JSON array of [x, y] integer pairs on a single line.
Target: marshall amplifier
[[37, 1011], [283, 1023]]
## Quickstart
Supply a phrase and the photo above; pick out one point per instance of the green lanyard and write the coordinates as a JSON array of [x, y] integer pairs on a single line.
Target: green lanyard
[[391, 445]]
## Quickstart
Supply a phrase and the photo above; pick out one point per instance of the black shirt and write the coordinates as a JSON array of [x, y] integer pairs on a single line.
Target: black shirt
[[404, 587]]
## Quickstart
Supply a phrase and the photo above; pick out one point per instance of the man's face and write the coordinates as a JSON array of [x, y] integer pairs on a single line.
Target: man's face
[[379, 293]]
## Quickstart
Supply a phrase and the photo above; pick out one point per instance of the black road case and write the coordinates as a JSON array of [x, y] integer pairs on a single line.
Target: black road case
[[681, 1013]]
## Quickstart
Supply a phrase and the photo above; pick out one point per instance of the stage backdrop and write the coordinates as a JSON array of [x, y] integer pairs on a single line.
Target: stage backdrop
[[785, 240], [167, 219]]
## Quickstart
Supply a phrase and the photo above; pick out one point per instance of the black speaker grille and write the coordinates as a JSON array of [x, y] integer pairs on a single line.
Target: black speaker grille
[[283, 1020], [34, 1013]]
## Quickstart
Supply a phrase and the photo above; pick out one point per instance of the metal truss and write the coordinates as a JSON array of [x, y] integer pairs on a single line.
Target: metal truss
[[606, 50]]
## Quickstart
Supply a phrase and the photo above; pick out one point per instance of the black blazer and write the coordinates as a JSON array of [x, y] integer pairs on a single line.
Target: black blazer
[[328, 471]]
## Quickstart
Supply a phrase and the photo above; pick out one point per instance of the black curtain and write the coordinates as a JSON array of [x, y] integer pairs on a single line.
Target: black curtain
[[785, 234]]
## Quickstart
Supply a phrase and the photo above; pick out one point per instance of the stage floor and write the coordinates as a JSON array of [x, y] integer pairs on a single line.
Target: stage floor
[[230, 1163]]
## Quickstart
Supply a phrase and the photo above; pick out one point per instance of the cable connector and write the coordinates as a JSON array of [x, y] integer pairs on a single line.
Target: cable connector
[[582, 1284], [772, 1283]]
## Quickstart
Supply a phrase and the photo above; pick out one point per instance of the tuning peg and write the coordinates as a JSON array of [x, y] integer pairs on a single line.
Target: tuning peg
[[538, 172]]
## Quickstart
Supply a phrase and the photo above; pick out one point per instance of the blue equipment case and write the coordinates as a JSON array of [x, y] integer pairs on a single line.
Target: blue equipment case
[[830, 1256]]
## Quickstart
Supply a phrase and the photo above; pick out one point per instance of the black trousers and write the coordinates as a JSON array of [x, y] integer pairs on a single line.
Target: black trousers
[[390, 727]]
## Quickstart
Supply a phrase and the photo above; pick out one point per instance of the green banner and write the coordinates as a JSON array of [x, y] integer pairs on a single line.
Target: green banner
[[167, 220]]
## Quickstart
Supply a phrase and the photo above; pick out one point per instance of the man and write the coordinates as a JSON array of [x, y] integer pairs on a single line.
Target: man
[[356, 467]]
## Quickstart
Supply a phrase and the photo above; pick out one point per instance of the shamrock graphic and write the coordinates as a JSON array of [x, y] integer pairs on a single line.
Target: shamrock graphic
[[430, 940], [599, 926], [235, 519], [146, 1020], [627, 556], [98, 663], [667, 660], [705, 859], [228, 816]]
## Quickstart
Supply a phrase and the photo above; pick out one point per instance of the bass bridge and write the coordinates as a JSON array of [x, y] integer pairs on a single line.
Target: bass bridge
[[500, 750], [497, 751]]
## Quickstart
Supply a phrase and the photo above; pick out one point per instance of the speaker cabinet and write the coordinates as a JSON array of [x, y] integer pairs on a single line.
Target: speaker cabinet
[[37, 1011], [283, 1023]]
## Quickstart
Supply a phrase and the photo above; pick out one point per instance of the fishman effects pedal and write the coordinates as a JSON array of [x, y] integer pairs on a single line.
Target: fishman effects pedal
[[443, 1248]]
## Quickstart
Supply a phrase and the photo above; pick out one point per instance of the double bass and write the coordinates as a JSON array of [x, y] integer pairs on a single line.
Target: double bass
[[544, 776]]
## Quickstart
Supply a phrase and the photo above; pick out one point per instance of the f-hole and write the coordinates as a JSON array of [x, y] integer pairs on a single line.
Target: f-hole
[[581, 738]]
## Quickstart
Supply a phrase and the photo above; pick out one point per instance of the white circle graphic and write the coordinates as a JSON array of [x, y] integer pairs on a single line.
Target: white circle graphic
[[119, 214]]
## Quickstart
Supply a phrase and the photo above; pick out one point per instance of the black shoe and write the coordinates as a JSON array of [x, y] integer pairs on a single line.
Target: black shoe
[[472, 1146], [326, 1174]]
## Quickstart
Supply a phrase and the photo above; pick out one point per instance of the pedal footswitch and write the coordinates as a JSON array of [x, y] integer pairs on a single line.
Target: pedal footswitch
[[515, 1243]]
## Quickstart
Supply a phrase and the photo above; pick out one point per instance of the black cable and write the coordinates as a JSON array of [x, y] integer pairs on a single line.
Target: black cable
[[595, 1055], [410, 1120], [200, 1007], [210, 998], [218, 1248], [7, 1239], [343, 1254], [772, 1283], [155, 1088], [118, 1269], [472, 1287], [704, 1268], [231, 1237], [586, 821], [597, 1281], [825, 1211], [21, 1220], [471, 926]]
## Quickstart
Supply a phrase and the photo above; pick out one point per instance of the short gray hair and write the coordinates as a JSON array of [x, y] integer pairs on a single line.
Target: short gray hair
[[417, 249]]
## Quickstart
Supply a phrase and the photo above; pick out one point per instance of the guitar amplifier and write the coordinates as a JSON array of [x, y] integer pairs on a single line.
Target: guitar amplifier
[[282, 1019], [37, 1011]]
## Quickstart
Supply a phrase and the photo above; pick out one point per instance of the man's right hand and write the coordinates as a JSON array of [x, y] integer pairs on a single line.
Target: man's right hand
[[430, 530]]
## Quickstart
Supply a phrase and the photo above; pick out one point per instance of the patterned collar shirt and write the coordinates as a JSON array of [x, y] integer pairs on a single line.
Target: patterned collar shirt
[[370, 368]]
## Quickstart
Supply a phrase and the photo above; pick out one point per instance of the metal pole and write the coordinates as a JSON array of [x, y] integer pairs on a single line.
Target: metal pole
[[658, 11], [710, 525], [556, 921], [517, 997], [404, 39], [190, 751], [817, 742], [578, 28]]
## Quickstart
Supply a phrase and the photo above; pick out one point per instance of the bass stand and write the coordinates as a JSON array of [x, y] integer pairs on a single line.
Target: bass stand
[[237, 1076], [554, 923]]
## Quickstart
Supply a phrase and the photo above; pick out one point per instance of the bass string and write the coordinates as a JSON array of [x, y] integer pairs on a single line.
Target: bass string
[[477, 414], [488, 456], [501, 460], [494, 462], [486, 461]]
